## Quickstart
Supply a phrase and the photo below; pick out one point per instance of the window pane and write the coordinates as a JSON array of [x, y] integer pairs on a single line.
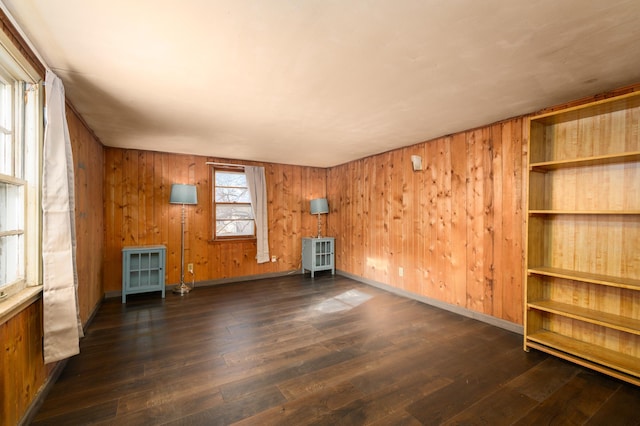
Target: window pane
[[232, 195], [11, 267], [229, 228], [20, 118], [6, 154], [231, 211], [233, 179], [232, 200], [11, 207], [5, 106], [6, 114]]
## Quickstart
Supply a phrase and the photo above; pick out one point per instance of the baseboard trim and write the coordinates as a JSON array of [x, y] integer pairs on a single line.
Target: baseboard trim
[[46, 387], [92, 315], [230, 280], [209, 283], [498, 322], [44, 390]]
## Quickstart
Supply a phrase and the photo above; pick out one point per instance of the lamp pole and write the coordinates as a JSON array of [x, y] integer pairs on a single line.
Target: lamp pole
[[183, 194], [182, 288]]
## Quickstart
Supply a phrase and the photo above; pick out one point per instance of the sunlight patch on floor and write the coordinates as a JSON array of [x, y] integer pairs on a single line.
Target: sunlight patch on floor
[[342, 302]]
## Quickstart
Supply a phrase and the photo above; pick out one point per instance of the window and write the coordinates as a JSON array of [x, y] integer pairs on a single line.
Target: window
[[20, 133], [233, 217]]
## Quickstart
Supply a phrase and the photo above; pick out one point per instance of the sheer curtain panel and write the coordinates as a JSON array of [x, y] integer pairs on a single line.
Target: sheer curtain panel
[[258, 190], [61, 316]]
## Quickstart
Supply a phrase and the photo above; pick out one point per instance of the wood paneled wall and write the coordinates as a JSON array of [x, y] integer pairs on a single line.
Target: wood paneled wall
[[137, 212], [88, 157], [22, 369], [455, 228]]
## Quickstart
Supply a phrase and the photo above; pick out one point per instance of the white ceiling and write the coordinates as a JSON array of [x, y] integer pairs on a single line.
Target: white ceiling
[[323, 82]]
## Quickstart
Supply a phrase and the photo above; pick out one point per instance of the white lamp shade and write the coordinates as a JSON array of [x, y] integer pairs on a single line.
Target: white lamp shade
[[319, 206], [183, 194]]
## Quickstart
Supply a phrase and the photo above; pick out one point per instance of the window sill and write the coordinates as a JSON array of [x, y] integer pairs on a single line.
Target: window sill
[[233, 240], [13, 305]]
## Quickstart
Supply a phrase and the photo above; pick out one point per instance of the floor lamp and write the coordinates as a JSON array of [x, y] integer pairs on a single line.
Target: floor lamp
[[183, 194], [319, 206]]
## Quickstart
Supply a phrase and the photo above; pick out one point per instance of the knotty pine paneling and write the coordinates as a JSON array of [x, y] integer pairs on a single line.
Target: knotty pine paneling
[[22, 369], [137, 212], [455, 228], [88, 158]]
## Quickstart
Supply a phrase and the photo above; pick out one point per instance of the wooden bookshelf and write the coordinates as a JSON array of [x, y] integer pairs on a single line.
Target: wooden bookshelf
[[582, 281]]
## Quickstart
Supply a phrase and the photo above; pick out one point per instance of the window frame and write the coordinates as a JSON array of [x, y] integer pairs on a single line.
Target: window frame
[[27, 133], [214, 234]]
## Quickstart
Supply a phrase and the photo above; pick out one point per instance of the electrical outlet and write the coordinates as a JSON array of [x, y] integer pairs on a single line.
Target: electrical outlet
[[401, 271], [190, 267], [273, 258]]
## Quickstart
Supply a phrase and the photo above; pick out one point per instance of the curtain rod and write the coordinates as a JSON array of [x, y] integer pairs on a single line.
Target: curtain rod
[[211, 163]]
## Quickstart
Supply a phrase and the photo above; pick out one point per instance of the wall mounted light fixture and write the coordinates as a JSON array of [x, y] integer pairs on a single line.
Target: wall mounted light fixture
[[416, 162]]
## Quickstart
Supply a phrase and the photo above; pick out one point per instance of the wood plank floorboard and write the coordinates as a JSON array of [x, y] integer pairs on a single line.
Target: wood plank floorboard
[[325, 351]]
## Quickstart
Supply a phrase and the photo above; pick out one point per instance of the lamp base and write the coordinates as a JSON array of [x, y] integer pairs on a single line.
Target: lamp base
[[182, 289]]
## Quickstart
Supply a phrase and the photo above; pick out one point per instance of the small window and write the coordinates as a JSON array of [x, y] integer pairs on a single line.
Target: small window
[[20, 139], [12, 184], [233, 217]]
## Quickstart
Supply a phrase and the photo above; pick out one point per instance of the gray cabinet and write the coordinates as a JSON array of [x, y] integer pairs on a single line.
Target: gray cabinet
[[142, 270], [318, 254]]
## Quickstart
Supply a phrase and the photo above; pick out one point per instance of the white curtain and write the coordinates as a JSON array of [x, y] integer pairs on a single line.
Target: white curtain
[[258, 190], [61, 316]]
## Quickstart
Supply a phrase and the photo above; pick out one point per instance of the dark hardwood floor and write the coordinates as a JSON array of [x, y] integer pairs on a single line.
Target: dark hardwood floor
[[297, 351]]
